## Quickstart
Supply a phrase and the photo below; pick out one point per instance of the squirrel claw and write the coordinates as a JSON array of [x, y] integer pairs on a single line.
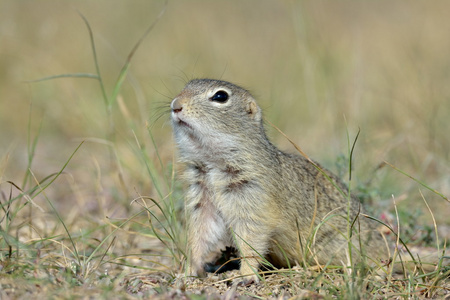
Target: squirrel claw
[[248, 281]]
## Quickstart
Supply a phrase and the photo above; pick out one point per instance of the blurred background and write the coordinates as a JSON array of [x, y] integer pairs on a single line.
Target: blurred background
[[320, 70]]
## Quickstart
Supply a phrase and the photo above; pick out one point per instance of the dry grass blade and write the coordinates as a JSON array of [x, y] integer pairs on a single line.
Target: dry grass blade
[[309, 159], [24, 194], [170, 232], [42, 190], [434, 220]]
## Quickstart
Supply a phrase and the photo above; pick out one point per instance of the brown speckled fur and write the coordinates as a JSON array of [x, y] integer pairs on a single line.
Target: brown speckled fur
[[240, 183]]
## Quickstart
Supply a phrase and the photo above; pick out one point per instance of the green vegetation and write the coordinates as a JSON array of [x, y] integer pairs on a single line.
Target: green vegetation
[[91, 205]]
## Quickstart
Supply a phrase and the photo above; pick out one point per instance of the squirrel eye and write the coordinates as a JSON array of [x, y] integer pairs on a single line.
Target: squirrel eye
[[220, 96]]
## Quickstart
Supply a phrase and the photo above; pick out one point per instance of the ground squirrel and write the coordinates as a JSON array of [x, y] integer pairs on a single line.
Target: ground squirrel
[[246, 193]]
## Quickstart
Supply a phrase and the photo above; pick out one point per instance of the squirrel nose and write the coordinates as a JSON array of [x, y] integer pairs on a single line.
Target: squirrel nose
[[176, 105]]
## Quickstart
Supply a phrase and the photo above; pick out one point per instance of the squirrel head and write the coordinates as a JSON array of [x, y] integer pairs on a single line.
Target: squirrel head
[[215, 118], [212, 107]]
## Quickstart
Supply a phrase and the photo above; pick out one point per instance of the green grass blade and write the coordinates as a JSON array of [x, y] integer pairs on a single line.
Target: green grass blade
[[31, 147], [393, 231], [91, 256], [351, 155], [41, 189], [94, 53], [418, 181], [71, 75], [126, 66], [159, 157], [149, 167]]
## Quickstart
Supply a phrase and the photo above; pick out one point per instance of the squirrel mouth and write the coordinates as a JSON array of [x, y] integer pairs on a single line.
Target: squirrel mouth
[[179, 121], [182, 123]]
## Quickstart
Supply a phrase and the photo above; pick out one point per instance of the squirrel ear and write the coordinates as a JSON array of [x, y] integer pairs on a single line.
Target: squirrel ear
[[253, 110]]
